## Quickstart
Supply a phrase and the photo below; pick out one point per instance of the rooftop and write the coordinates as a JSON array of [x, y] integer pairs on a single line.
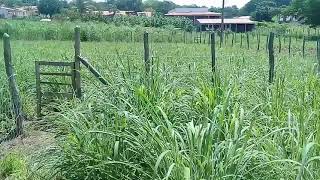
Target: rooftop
[[189, 10], [244, 17], [226, 21], [6, 8], [194, 14], [11, 9]]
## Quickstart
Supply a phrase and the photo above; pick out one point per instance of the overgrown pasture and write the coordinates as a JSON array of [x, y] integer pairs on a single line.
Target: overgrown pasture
[[181, 121]]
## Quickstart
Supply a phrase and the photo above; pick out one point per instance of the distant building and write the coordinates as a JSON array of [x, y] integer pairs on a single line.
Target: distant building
[[234, 24], [31, 10], [9, 13], [244, 17], [193, 13], [286, 19], [20, 13], [117, 13], [146, 14], [102, 13], [6, 13], [126, 13]]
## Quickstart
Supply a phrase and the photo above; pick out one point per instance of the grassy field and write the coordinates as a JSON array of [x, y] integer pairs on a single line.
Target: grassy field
[[177, 124], [98, 31]]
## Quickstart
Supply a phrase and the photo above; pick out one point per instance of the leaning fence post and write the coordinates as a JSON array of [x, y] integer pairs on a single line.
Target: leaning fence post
[[213, 52], [14, 90], [146, 52], [77, 53], [271, 57]]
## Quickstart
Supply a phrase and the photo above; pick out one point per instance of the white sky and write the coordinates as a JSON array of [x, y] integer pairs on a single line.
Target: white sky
[[209, 3]]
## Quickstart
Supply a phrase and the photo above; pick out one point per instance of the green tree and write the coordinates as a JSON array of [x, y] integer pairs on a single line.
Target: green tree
[[126, 5], [80, 4], [11, 3], [30, 2], [49, 7], [229, 12], [254, 5], [17, 3], [297, 7], [161, 7], [262, 14], [311, 12], [306, 10]]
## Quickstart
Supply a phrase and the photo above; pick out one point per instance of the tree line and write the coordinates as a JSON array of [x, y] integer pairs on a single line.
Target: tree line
[[306, 11], [51, 7]]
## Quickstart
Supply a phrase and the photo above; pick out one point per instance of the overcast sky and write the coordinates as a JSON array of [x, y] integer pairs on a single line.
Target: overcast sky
[[209, 3]]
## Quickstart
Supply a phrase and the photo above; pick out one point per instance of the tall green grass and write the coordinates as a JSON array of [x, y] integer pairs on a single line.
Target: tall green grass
[[90, 31], [178, 124], [131, 31]]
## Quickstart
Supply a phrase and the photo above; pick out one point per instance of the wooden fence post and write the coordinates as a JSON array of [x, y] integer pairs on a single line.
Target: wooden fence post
[[289, 45], [258, 42], [279, 37], [241, 40], [146, 52], [267, 43], [248, 41], [172, 38], [258, 39], [221, 38], [213, 52], [38, 88], [303, 46], [226, 36], [232, 39], [77, 53], [318, 55], [271, 57], [13, 87]]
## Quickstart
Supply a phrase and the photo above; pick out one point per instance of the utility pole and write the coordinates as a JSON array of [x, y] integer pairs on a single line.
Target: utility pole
[[222, 15], [222, 22]]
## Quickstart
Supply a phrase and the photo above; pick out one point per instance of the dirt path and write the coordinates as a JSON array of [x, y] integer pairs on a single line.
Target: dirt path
[[32, 142]]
